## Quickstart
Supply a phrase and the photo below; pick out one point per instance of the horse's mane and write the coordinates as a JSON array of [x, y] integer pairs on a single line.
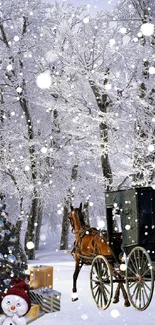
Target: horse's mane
[[81, 217]]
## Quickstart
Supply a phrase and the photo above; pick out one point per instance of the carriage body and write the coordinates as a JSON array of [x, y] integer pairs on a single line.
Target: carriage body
[[132, 211], [130, 218]]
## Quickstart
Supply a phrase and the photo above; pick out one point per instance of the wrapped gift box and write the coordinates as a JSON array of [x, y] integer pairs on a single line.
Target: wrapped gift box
[[31, 319], [49, 300], [41, 276], [33, 312]]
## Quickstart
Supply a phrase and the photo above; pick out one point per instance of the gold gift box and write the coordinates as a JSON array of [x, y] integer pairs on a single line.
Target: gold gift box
[[33, 312], [41, 276]]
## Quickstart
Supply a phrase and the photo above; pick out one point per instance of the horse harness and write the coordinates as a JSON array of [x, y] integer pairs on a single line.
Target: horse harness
[[82, 234]]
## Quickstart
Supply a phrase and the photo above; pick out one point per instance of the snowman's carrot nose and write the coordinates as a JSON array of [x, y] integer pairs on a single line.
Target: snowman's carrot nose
[[12, 307]]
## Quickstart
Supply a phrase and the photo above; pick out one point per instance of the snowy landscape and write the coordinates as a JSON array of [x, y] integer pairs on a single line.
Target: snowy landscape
[[77, 121]]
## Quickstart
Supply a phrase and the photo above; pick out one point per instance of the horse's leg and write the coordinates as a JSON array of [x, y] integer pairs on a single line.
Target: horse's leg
[[78, 266], [117, 293], [125, 296]]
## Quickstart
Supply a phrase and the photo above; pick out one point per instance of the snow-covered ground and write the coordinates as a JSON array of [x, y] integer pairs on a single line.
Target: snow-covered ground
[[84, 310]]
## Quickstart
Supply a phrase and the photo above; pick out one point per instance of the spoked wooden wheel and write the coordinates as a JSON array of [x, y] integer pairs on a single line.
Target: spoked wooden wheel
[[101, 282], [139, 278]]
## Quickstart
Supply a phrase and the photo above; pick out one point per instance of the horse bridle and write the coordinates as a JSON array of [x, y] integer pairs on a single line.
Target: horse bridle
[[72, 223]]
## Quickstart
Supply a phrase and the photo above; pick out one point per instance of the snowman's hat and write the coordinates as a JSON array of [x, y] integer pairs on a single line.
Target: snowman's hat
[[21, 289]]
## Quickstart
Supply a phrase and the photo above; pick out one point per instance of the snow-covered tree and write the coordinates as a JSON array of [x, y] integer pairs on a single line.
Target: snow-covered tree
[[136, 22], [23, 47], [75, 94]]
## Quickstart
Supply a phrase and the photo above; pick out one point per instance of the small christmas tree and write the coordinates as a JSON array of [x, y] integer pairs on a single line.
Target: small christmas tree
[[13, 261]]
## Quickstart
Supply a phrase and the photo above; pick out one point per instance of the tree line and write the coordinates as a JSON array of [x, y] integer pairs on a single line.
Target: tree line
[[91, 128]]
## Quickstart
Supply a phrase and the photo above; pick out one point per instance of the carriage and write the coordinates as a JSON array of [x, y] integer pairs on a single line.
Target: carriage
[[130, 218], [130, 237]]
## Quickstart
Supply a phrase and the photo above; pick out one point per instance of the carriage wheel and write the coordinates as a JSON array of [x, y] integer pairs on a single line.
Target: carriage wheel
[[139, 278], [101, 282]]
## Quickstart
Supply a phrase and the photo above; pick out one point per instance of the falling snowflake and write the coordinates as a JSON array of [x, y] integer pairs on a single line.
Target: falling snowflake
[[91, 204], [43, 237], [115, 313], [151, 148], [127, 227], [44, 80], [108, 86], [19, 90], [139, 34], [86, 20], [43, 150], [16, 38], [135, 39], [9, 67], [123, 30], [112, 42], [122, 267], [27, 168], [52, 57], [101, 224], [30, 245], [152, 70], [147, 29], [84, 316]]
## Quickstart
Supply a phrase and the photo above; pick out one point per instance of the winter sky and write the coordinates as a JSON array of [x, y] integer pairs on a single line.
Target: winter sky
[[95, 4]]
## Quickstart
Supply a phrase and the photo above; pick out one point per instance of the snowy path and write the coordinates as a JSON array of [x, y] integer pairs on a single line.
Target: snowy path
[[84, 311]]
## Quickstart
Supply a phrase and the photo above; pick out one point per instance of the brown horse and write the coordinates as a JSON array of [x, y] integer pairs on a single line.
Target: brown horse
[[88, 243]]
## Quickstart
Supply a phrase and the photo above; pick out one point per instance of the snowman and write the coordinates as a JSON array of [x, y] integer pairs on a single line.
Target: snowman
[[15, 304]]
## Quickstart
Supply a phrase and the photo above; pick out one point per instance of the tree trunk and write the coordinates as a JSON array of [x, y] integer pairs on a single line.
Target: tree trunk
[[18, 243], [65, 226], [38, 228], [2, 144], [33, 218], [86, 212], [31, 232], [103, 102], [67, 203]]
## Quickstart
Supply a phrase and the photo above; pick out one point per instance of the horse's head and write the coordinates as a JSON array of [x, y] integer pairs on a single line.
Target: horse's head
[[77, 217]]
